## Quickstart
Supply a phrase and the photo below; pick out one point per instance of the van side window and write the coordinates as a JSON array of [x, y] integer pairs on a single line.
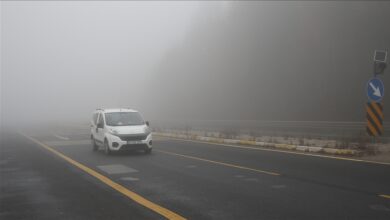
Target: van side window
[[101, 119]]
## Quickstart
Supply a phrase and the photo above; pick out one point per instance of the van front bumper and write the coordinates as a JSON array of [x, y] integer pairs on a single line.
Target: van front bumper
[[115, 143]]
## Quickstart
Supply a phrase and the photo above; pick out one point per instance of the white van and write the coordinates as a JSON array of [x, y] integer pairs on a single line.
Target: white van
[[120, 129]]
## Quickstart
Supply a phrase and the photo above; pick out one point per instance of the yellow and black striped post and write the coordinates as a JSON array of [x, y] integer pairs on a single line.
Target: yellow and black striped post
[[374, 118]]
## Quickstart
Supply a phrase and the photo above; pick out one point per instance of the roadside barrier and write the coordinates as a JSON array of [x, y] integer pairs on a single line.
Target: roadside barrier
[[292, 147]]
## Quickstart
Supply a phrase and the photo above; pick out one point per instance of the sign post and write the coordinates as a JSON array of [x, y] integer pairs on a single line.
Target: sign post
[[375, 92]]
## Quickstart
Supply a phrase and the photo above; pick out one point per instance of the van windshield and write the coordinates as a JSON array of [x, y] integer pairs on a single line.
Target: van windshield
[[123, 119]]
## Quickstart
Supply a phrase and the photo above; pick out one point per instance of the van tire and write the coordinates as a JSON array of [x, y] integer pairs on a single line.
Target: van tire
[[107, 150], [95, 147]]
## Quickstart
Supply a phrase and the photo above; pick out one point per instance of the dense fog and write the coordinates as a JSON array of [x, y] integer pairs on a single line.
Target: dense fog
[[255, 60]]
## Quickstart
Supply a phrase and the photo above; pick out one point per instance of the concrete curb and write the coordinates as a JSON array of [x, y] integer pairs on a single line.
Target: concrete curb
[[326, 150]]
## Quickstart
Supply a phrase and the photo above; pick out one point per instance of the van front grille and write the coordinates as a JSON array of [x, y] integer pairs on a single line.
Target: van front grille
[[132, 137]]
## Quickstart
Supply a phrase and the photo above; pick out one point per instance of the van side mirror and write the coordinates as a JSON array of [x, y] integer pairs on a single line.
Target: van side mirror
[[147, 123]]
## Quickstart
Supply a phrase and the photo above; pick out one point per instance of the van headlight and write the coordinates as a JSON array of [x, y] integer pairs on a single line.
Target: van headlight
[[147, 131], [113, 132]]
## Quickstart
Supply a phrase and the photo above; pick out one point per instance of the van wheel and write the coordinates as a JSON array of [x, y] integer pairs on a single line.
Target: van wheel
[[107, 150], [148, 150], [95, 147]]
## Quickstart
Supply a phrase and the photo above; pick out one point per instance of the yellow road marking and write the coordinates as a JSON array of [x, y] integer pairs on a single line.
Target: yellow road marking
[[385, 196], [220, 163], [283, 151], [135, 197]]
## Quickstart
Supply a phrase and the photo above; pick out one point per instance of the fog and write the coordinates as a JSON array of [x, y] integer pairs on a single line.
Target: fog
[[254, 60]]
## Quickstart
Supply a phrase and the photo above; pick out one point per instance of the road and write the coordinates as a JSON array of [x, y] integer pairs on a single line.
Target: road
[[56, 174]]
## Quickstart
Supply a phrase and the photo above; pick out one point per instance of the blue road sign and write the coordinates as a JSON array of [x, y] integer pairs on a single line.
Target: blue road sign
[[375, 89]]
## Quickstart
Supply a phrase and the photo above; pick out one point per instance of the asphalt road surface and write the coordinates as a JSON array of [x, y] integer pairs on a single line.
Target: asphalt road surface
[[56, 175]]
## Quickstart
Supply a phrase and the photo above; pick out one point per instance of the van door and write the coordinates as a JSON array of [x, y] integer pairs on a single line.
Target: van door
[[100, 129]]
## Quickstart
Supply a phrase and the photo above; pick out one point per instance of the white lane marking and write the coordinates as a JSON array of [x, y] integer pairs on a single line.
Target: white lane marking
[[60, 137], [129, 178], [117, 169]]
